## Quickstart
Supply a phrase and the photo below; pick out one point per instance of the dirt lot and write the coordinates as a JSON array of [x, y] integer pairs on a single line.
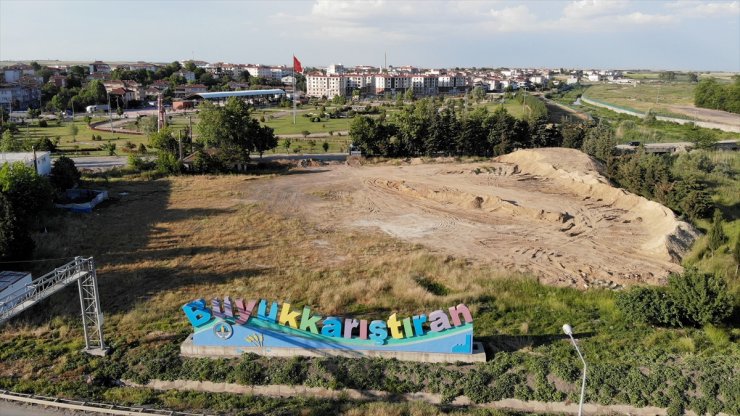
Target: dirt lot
[[707, 114], [547, 212]]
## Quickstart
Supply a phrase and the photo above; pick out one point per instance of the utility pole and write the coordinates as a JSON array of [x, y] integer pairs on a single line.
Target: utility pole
[[110, 115], [35, 163], [179, 142]]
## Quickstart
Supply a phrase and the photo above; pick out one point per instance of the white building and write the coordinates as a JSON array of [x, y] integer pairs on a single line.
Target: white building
[[43, 160], [594, 77], [329, 86], [259, 71], [571, 80], [335, 69]]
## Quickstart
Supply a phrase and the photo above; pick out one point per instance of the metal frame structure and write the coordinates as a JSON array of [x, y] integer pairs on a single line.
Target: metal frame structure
[[80, 270]]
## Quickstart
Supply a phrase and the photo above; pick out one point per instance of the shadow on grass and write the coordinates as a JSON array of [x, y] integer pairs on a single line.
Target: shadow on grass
[[512, 343], [132, 251]]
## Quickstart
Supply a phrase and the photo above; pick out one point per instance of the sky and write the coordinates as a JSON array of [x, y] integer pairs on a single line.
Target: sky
[[677, 35]]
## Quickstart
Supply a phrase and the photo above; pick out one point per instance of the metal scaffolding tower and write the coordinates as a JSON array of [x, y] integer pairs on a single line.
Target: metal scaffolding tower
[[80, 270]]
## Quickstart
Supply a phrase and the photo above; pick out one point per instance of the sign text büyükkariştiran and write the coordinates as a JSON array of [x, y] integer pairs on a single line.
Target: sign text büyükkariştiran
[[256, 323]]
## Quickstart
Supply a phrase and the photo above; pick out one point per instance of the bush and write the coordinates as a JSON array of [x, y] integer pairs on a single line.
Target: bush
[[703, 298], [43, 123], [64, 174], [168, 163], [691, 299]]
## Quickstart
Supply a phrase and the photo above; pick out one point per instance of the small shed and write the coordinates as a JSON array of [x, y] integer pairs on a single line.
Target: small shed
[[42, 162]]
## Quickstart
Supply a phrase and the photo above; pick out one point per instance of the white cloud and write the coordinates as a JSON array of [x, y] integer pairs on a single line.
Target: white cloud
[[366, 21], [694, 9]]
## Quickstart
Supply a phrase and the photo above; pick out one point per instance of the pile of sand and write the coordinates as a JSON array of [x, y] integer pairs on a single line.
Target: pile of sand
[[581, 174]]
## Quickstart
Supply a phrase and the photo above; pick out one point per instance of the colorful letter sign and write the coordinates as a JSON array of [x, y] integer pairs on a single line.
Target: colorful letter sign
[[268, 324]]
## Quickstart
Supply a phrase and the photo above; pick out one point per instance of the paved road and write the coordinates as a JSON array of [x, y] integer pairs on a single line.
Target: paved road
[[13, 409], [110, 162], [100, 162]]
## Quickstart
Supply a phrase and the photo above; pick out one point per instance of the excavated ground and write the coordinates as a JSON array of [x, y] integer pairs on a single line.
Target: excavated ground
[[548, 212]]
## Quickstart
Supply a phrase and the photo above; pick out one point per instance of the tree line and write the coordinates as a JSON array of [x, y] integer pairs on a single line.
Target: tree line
[[425, 129], [709, 93]]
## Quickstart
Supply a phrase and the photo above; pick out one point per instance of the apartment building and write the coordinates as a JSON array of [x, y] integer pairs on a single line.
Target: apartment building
[[329, 86], [425, 84]]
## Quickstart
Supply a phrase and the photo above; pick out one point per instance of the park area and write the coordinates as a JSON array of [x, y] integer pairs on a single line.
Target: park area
[[528, 241]]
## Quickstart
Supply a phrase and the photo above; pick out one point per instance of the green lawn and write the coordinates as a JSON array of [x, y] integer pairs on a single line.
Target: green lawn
[[82, 143], [284, 124]]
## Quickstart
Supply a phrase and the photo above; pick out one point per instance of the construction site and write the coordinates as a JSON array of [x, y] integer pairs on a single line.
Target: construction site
[[546, 212]]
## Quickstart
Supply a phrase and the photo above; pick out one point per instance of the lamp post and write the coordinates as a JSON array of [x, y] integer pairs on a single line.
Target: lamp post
[[569, 332]]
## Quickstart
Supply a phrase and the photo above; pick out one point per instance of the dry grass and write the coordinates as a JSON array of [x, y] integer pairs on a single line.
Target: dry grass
[[172, 240]]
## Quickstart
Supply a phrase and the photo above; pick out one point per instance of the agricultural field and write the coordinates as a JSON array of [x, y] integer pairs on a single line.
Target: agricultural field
[[658, 97]]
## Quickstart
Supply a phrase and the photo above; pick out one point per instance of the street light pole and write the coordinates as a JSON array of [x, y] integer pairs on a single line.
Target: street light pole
[[569, 331]]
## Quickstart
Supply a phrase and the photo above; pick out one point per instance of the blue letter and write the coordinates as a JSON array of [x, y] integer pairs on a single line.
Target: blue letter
[[378, 332], [332, 327], [197, 312]]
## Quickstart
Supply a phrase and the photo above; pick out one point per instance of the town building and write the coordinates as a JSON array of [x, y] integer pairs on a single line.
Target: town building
[[99, 66], [329, 86]]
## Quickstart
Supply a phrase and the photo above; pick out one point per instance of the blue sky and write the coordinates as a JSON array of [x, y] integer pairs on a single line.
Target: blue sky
[[696, 35]]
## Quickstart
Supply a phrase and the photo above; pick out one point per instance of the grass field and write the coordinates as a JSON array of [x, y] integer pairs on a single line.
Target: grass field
[[643, 97], [284, 124], [161, 243]]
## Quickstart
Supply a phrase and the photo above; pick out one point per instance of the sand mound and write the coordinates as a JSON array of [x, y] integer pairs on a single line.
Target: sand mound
[[580, 173], [546, 212]]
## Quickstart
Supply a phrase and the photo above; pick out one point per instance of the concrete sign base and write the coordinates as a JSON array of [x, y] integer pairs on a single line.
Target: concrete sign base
[[189, 349]]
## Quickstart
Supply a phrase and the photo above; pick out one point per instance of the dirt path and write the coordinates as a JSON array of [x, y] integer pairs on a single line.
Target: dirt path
[[706, 114], [547, 212]]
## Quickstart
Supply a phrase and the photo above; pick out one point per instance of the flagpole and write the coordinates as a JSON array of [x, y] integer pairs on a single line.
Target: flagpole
[[294, 91]]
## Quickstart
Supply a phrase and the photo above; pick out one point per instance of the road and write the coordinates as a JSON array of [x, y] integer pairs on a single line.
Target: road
[[100, 162], [13, 409], [110, 162]]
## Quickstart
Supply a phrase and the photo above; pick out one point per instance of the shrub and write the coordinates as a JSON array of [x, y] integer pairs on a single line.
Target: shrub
[[649, 305], [703, 298], [43, 123], [168, 163], [693, 298], [64, 174]]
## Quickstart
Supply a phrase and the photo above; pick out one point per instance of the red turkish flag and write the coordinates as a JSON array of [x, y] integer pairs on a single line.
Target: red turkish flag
[[297, 65]]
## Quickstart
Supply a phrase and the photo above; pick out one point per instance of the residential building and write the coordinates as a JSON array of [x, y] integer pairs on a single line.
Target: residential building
[[59, 81], [329, 86], [20, 96], [425, 84], [259, 71], [99, 66], [335, 69], [134, 90], [14, 73], [188, 75]]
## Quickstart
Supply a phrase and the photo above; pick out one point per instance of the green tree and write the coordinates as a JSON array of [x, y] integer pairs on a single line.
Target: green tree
[[478, 94], [286, 144], [232, 131], [64, 174], [8, 142], [28, 192], [325, 146], [15, 241], [305, 133], [409, 95], [703, 298], [716, 236], [73, 130], [264, 139], [164, 140]]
